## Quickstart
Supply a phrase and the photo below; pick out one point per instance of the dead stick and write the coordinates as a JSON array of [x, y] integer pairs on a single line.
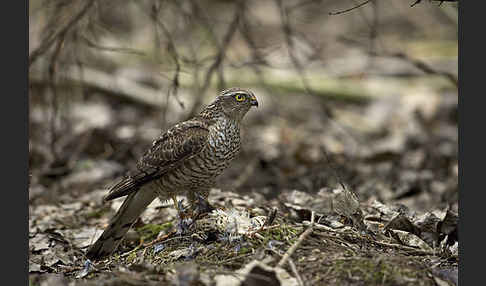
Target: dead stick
[[296, 273], [294, 246]]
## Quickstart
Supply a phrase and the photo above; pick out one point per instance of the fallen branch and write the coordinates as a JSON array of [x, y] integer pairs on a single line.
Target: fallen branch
[[107, 83]]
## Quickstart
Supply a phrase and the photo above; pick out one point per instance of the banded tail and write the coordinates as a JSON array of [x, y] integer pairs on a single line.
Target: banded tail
[[127, 214]]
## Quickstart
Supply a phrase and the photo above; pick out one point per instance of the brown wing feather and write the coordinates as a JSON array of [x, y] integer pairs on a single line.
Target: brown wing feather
[[173, 147]]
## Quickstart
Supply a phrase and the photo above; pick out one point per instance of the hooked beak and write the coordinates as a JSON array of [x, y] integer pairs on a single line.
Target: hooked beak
[[253, 101]]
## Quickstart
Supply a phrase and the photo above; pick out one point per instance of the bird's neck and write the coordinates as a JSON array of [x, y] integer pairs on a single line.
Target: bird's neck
[[211, 111], [214, 113]]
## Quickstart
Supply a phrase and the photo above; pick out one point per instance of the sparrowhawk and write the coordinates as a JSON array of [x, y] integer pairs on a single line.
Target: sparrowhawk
[[185, 160]]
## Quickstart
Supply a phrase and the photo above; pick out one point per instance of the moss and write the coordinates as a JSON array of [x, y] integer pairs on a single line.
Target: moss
[[131, 257], [282, 233], [97, 213], [375, 272], [244, 250], [150, 231]]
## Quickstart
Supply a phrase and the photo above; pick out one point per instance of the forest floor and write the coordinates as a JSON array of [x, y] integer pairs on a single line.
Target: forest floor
[[326, 191]]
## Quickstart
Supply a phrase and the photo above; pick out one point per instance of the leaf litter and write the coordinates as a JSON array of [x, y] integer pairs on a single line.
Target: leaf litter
[[394, 222], [236, 237]]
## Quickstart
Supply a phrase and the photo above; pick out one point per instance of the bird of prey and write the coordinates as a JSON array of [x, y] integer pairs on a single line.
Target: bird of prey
[[184, 160]]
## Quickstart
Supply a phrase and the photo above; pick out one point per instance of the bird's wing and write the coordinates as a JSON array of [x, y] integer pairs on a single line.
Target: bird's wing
[[173, 147]]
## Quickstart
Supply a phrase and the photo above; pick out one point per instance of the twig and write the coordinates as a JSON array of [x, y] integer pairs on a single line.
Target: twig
[[257, 57], [393, 245], [288, 32], [405, 248], [271, 217], [172, 90], [254, 233], [417, 63], [296, 244], [160, 239], [144, 246], [171, 49], [234, 258], [334, 170], [321, 226], [94, 45], [51, 39], [296, 273], [374, 30], [339, 241], [418, 1], [139, 246], [350, 9], [52, 71], [247, 36], [212, 36], [423, 66], [219, 57]]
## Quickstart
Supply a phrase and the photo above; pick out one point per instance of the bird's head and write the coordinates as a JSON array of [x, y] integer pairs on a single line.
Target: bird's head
[[234, 102]]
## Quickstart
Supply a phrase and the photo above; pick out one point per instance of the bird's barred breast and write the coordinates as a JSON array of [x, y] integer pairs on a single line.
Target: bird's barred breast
[[201, 169]]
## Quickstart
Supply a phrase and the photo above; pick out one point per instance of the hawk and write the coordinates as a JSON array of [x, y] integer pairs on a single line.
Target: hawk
[[185, 160]]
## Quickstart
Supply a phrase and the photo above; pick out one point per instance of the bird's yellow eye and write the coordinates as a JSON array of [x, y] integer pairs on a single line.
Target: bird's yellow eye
[[240, 97]]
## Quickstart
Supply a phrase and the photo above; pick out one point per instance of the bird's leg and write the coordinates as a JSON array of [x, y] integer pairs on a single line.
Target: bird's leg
[[199, 203], [172, 195], [176, 203], [179, 207], [184, 221]]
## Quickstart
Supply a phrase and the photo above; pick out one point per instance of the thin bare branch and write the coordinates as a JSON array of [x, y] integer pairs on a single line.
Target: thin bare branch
[[296, 272], [423, 67], [52, 71], [301, 238], [441, 1], [219, 57], [94, 45], [288, 33], [173, 89], [51, 39], [350, 9]]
